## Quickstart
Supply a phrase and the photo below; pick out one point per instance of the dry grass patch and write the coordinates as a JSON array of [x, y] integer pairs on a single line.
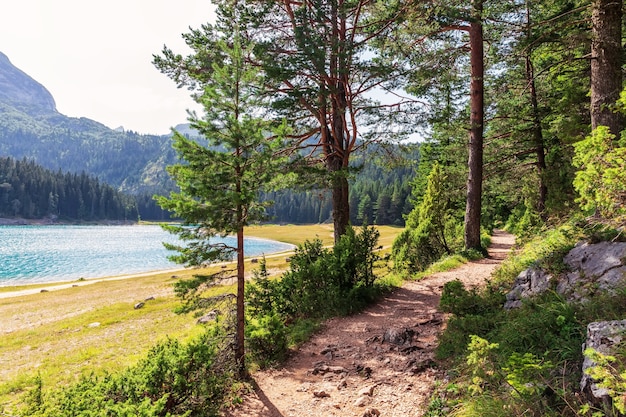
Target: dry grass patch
[[54, 334]]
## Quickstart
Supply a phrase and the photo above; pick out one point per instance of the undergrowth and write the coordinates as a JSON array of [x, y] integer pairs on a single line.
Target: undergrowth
[[525, 361], [197, 378]]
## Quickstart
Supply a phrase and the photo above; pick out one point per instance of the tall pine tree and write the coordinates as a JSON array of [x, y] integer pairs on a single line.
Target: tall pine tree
[[220, 181]]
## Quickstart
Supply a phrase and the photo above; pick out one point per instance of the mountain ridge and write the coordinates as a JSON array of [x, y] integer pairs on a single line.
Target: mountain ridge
[[21, 90], [32, 128]]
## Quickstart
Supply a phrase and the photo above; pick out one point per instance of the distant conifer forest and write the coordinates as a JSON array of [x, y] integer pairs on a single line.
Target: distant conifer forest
[[30, 191], [379, 195]]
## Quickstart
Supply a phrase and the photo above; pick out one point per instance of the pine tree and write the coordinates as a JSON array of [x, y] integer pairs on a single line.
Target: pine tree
[[319, 58], [220, 180]]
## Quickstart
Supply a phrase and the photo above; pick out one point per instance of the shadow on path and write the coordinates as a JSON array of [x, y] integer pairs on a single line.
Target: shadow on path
[[402, 374]]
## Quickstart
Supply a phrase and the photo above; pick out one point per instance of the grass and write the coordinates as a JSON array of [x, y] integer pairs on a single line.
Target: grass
[[446, 264], [547, 332], [54, 334]]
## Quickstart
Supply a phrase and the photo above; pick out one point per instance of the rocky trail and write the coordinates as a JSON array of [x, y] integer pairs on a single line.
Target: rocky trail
[[376, 363]]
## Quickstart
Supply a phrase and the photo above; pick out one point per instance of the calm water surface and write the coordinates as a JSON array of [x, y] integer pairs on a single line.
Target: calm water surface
[[33, 254]]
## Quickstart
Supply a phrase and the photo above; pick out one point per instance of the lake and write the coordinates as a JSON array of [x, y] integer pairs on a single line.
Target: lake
[[35, 254]]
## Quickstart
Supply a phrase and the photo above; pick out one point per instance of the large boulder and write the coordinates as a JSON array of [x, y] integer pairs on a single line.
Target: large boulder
[[602, 336], [592, 268], [530, 282]]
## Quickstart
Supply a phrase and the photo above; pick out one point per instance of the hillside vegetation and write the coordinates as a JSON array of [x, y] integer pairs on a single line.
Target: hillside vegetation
[[520, 111]]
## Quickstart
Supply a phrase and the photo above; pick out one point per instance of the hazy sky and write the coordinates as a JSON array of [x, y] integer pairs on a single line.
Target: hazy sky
[[95, 56]]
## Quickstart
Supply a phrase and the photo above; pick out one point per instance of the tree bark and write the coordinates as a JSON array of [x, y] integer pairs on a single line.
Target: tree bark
[[340, 197], [537, 137], [337, 158], [475, 162], [606, 64], [240, 353]]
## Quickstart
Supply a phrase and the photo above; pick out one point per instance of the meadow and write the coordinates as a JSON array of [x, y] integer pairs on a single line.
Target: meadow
[[59, 334]]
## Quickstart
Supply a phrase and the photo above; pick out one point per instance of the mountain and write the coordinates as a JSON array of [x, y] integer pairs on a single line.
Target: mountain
[[21, 91], [31, 127]]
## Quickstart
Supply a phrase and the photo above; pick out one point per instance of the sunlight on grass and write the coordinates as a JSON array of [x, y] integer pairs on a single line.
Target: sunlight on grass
[[65, 333], [446, 264]]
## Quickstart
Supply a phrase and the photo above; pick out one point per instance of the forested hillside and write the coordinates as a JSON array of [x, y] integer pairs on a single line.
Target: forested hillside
[[31, 192], [31, 127]]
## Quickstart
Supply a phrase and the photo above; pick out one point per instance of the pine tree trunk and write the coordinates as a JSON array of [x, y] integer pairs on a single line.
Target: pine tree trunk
[[537, 137], [340, 197], [337, 158], [240, 353], [475, 162], [606, 64]]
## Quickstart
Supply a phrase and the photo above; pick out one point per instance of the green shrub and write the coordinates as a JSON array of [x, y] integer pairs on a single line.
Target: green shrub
[[453, 342], [301, 330], [175, 379], [431, 229], [610, 374], [601, 178], [320, 282], [354, 258], [546, 326], [457, 300], [266, 338]]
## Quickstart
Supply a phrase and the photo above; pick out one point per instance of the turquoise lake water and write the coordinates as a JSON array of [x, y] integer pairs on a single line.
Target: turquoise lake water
[[34, 254]]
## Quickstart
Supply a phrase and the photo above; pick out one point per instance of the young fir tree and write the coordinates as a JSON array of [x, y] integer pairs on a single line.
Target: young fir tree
[[220, 180]]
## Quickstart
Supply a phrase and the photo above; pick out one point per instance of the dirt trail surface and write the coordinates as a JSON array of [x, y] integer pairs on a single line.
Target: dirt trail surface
[[376, 363]]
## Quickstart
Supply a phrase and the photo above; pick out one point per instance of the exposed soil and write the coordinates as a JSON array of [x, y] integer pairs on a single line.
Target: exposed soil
[[376, 363]]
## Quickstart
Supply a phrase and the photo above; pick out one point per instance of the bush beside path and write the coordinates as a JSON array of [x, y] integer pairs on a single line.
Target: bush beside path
[[378, 362]]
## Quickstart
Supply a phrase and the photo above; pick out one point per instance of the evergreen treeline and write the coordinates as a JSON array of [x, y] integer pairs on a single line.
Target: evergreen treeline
[[379, 193], [30, 191], [133, 162]]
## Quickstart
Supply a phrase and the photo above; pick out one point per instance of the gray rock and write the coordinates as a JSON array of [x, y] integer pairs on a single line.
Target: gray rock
[[601, 336], [208, 317], [362, 401], [594, 260], [593, 267], [324, 369], [530, 282], [398, 336]]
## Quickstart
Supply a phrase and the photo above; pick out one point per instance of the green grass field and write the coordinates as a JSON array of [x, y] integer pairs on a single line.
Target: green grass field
[[62, 334]]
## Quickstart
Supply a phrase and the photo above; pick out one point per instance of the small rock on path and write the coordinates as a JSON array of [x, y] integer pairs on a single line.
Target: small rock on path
[[393, 376]]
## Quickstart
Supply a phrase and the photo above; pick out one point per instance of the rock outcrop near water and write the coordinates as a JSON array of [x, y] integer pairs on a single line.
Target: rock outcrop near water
[[591, 268]]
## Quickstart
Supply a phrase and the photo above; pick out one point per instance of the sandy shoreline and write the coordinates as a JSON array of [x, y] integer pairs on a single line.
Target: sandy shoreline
[[60, 285]]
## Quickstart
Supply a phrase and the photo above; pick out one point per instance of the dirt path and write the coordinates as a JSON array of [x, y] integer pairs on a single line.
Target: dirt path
[[375, 363]]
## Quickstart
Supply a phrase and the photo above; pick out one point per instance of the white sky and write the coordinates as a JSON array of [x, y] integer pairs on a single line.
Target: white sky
[[95, 56]]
